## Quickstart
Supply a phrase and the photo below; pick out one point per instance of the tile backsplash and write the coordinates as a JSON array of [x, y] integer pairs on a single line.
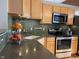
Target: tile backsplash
[[34, 27], [31, 27]]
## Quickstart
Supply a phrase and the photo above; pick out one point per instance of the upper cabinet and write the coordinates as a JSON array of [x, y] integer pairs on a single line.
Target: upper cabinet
[[63, 10], [71, 13], [47, 14], [56, 9], [76, 20], [26, 8], [14, 6], [36, 10]]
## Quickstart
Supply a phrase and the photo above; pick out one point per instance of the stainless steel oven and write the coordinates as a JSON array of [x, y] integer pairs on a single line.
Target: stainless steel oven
[[63, 47]]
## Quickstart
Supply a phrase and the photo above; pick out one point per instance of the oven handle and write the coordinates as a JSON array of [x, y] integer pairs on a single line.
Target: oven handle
[[62, 38]]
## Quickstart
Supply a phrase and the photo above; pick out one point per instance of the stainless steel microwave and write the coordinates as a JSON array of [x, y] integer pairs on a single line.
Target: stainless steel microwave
[[59, 18]]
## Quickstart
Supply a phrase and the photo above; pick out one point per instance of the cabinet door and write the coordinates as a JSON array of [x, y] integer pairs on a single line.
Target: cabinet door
[[51, 44], [56, 9], [42, 41], [51, 39], [14, 6], [26, 9], [70, 16], [63, 10], [74, 45], [36, 11], [47, 14], [76, 20]]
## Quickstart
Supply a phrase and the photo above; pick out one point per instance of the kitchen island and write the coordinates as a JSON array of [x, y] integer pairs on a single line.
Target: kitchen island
[[29, 49]]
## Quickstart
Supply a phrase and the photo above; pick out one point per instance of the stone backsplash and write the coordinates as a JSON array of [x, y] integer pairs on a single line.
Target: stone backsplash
[[33, 27], [30, 26]]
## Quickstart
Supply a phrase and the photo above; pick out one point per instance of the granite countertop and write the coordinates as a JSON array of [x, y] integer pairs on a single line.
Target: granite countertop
[[29, 49], [2, 33]]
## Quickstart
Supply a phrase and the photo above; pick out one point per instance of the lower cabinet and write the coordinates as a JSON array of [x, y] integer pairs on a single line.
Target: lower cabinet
[[50, 46], [74, 43], [48, 43], [42, 41]]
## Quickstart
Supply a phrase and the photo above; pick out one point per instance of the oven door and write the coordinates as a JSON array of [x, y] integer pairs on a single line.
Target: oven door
[[63, 44]]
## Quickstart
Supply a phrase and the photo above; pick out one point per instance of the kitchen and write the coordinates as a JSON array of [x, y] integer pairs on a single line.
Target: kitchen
[[37, 19]]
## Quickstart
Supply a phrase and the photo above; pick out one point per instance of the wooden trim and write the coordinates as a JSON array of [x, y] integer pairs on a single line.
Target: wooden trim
[[55, 47], [22, 8], [14, 15], [31, 8]]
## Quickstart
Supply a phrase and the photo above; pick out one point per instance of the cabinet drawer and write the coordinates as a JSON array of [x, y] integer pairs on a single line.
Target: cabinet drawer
[[51, 39], [75, 38]]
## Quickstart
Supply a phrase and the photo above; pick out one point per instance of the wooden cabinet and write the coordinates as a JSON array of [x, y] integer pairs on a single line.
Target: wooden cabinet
[[14, 6], [70, 16], [26, 8], [74, 43], [56, 9], [42, 41], [32, 9], [63, 10], [76, 20], [47, 14], [50, 44], [36, 10], [60, 9]]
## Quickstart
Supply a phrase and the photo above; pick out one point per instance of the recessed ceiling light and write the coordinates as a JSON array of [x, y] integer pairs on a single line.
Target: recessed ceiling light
[[55, 1]]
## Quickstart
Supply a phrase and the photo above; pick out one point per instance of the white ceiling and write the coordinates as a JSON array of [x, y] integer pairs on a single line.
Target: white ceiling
[[59, 3]]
